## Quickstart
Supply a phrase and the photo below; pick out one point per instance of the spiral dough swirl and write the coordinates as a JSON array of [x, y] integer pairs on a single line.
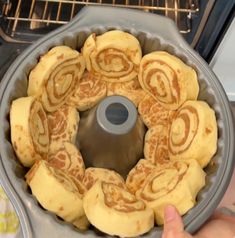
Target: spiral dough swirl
[[162, 181], [113, 56], [54, 78], [70, 183], [39, 128], [183, 130], [105, 59], [69, 159], [88, 93], [63, 124], [166, 88], [60, 84], [121, 200]]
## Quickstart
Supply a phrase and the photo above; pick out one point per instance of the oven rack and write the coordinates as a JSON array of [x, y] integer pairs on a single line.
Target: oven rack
[[36, 14]]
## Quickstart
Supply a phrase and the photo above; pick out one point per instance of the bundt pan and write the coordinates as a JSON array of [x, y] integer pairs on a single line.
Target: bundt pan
[[154, 33]]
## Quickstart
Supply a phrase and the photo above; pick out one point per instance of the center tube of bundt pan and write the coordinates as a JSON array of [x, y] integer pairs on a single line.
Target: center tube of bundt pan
[[111, 135]]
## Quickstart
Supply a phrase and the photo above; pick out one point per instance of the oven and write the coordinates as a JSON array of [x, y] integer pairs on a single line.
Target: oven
[[203, 24]]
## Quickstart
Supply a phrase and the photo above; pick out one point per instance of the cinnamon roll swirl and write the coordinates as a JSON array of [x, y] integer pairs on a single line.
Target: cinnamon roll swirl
[[176, 183], [92, 175], [152, 113], [63, 124], [168, 79], [68, 158], [131, 89], [193, 133], [115, 211], [156, 144], [29, 130], [114, 56], [136, 177], [54, 78], [57, 192], [88, 92]]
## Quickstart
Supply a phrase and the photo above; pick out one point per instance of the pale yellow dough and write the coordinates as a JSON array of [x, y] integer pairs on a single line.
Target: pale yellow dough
[[176, 183], [114, 56], [137, 175], [193, 133], [168, 79], [67, 157], [29, 130], [131, 90], [92, 175], [153, 113], [156, 144], [63, 124], [57, 192], [115, 211], [55, 76], [88, 93]]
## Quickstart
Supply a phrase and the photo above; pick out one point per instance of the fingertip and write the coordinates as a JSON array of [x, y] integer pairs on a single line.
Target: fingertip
[[169, 213], [172, 219]]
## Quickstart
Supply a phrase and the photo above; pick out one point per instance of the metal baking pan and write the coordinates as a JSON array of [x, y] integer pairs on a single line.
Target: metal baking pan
[[154, 33]]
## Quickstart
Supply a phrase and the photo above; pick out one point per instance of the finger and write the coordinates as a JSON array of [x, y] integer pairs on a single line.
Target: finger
[[172, 219], [173, 225]]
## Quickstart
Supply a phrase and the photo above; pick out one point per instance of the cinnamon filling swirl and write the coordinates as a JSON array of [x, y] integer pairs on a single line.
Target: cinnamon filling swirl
[[90, 90], [113, 63], [61, 82], [184, 128], [39, 128], [58, 123], [120, 200], [91, 87], [161, 81], [163, 181], [92, 175], [72, 163]]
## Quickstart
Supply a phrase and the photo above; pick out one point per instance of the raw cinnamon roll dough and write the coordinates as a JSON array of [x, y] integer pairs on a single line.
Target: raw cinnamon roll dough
[[137, 175], [67, 158], [168, 79], [131, 89], [63, 124], [176, 183], [115, 211], [156, 144], [55, 76], [180, 141], [58, 192], [193, 133], [88, 93], [114, 56], [152, 113], [92, 175], [29, 130]]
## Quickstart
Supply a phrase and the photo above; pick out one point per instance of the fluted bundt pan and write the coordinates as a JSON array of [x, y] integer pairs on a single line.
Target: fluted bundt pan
[[154, 33]]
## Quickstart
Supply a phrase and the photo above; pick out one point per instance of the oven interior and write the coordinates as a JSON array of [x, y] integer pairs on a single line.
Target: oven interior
[[203, 23], [25, 21]]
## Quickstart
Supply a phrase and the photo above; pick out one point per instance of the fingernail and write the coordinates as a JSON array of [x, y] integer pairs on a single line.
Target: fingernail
[[170, 213]]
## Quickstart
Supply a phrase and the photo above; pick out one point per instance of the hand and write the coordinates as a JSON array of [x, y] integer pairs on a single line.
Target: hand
[[217, 226]]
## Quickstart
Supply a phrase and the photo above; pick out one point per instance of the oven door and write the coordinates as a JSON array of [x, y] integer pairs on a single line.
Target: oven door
[[202, 23], [23, 22]]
